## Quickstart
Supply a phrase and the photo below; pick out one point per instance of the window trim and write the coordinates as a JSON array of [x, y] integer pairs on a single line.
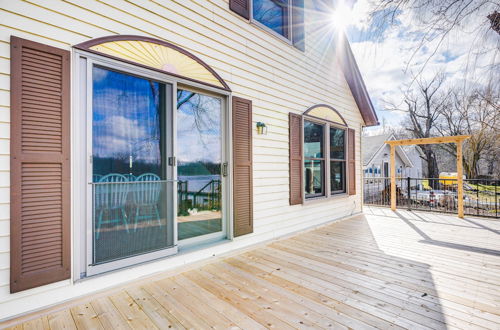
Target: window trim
[[289, 38], [326, 140]]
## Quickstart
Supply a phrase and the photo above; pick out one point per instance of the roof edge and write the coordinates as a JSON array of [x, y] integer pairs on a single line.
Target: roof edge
[[357, 85]]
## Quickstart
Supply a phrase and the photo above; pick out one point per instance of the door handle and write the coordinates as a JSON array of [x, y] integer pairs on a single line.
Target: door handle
[[224, 169]]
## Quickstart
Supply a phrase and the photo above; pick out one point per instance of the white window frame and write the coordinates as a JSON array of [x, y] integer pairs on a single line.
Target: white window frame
[[82, 201]]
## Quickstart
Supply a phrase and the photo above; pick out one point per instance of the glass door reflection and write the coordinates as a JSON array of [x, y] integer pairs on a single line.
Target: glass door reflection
[[199, 154], [129, 176]]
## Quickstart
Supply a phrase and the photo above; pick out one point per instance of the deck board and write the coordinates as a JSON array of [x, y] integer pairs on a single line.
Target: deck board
[[382, 269]]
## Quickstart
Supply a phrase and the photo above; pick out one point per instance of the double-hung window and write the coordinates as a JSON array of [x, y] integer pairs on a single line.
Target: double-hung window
[[314, 159], [337, 160]]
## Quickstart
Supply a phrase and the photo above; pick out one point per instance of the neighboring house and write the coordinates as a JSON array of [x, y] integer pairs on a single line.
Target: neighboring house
[[133, 136], [416, 157], [376, 158]]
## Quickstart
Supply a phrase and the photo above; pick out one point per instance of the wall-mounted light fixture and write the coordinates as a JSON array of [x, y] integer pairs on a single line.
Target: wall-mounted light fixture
[[261, 128]]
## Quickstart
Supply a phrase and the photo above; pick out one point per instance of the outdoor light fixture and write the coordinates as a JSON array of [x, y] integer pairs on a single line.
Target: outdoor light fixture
[[261, 128]]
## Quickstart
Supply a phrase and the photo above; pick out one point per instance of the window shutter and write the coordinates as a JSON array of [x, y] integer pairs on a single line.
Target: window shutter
[[240, 7], [242, 155], [351, 140], [40, 165], [296, 158], [298, 24]]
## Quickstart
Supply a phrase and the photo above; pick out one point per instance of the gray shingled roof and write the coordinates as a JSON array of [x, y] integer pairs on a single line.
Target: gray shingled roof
[[371, 144]]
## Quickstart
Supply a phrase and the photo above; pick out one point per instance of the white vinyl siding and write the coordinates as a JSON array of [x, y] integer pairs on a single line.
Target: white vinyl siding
[[258, 66]]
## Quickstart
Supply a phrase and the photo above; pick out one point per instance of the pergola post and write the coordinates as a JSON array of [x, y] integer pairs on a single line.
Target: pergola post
[[393, 177], [460, 180], [458, 139]]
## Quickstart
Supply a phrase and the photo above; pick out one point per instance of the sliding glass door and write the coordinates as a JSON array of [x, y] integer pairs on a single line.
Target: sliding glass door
[[156, 169], [130, 180], [199, 166]]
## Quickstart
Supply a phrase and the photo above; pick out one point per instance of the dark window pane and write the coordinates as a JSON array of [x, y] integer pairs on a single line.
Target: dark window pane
[[313, 176], [199, 164], [272, 13], [337, 177], [313, 140], [337, 141]]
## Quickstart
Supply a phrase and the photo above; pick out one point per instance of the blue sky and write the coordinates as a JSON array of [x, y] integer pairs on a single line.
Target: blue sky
[[386, 60]]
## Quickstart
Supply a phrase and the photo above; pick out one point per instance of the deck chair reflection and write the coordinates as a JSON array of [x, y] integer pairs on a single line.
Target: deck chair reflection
[[146, 197], [110, 197]]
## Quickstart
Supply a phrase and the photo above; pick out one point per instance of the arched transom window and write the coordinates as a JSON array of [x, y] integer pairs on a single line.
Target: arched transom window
[[156, 54]]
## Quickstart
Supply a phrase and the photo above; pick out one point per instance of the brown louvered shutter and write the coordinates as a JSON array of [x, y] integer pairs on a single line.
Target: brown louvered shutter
[[40, 165], [242, 169], [351, 163], [240, 7], [296, 158], [298, 33]]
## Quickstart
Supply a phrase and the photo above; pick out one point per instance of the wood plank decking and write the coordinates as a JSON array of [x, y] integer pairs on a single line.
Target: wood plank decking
[[383, 269]]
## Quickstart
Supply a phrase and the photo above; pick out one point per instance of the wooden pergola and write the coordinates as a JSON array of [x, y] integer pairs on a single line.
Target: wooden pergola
[[435, 140]]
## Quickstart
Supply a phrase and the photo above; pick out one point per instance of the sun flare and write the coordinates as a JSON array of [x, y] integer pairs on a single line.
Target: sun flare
[[342, 16]]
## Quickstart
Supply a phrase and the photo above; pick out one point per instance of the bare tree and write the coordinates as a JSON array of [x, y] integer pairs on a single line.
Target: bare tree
[[436, 21], [423, 106], [475, 113]]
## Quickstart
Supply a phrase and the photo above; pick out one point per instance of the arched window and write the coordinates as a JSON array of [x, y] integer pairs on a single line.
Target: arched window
[[155, 54], [325, 112], [325, 152]]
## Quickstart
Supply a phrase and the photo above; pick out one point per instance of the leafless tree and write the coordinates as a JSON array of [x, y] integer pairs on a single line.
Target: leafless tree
[[475, 113], [437, 20], [423, 106]]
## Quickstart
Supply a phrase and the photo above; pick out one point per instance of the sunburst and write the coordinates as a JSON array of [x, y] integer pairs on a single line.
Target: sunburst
[[159, 57]]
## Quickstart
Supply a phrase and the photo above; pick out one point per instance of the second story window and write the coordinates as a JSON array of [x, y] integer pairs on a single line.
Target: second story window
[[283, 18], [274, 14]]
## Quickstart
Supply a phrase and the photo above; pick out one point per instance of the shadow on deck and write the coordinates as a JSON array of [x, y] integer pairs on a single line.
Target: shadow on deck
[[382, 269]]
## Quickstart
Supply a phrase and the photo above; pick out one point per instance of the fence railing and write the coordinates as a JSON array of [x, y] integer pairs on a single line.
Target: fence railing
[[481, 197], [206, 198]]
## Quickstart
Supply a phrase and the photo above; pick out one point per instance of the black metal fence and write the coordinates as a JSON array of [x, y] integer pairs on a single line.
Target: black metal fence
[[481, 197], [206, 198]]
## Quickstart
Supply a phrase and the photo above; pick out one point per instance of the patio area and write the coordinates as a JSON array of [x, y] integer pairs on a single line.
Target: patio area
[[382, 269]]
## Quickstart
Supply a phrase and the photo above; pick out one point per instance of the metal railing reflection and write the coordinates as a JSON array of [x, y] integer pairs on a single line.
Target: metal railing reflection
[[130, 217]]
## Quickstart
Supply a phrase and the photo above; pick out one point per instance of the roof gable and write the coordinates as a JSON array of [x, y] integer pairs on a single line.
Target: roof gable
[[373, 145], [356, 84]]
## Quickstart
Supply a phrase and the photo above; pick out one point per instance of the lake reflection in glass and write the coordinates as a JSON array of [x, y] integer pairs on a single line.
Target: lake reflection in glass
[[128, 160], [199, 154]]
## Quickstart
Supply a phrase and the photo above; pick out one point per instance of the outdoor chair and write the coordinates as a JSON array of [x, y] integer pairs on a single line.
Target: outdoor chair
[[130, 177], [146, 197], [110, 197]]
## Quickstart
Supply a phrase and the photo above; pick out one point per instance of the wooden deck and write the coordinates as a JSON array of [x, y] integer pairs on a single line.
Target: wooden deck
[[384, 269]]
